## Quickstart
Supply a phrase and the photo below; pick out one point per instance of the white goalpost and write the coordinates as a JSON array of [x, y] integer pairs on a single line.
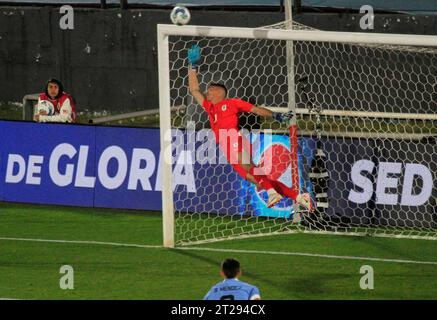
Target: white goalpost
[[363, 144]]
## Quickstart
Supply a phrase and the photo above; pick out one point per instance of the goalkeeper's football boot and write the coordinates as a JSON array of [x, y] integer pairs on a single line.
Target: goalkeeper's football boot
[[305, 201], [274, 198]]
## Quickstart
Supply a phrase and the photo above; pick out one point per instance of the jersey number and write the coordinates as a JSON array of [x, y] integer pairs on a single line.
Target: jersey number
[[215, 117], [228, 297]]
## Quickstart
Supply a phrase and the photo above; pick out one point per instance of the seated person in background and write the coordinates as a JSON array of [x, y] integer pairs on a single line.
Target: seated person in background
[[55, 105]]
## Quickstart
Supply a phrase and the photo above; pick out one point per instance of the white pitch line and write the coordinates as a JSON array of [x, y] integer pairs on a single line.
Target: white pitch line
[[284, 253], [86, 242], [316, 255]]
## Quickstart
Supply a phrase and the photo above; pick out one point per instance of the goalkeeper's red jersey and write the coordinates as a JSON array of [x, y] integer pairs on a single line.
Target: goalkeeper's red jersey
[[224, 115]]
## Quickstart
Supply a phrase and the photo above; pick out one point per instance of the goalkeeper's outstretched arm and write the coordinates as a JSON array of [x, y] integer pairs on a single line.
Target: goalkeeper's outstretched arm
[[193, 84], [264, 112]]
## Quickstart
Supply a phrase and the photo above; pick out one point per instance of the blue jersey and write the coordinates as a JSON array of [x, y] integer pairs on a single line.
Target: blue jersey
[[232, 289]]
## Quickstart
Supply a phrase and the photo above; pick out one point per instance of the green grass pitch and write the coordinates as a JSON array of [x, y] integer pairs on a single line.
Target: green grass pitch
[[30, 269]]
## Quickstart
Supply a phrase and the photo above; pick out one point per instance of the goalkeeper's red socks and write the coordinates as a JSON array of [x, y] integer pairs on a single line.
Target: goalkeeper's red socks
[[283, 190], [268, 184], [263, 182]]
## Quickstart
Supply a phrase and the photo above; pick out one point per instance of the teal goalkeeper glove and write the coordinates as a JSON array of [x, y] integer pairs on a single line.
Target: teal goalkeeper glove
[[282, 117], [194, 56]]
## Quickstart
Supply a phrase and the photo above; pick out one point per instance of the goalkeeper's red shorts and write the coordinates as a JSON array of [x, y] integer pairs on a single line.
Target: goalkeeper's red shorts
[[232, 146]]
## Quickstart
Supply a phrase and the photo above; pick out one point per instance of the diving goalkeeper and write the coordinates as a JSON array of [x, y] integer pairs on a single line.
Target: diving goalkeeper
[[223, 116]]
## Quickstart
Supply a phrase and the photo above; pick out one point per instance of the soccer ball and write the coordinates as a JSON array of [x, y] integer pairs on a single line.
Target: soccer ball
[[46, 106], [180, 15]]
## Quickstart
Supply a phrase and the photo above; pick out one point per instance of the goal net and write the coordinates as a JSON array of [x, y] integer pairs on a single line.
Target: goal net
[[362, 143]]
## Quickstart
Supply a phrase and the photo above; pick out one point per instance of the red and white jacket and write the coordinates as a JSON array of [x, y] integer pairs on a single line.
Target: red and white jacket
[[64, 108]]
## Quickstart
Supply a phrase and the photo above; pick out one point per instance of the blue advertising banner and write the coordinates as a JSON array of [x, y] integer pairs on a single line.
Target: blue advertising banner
[[45, 163]]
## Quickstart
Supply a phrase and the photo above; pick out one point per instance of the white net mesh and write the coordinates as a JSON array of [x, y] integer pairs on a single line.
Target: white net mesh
[[366, 126]]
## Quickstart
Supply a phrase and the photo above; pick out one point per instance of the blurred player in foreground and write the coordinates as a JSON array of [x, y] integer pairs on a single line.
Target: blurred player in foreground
[[223, 116], [231, 288], [55, 105]]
